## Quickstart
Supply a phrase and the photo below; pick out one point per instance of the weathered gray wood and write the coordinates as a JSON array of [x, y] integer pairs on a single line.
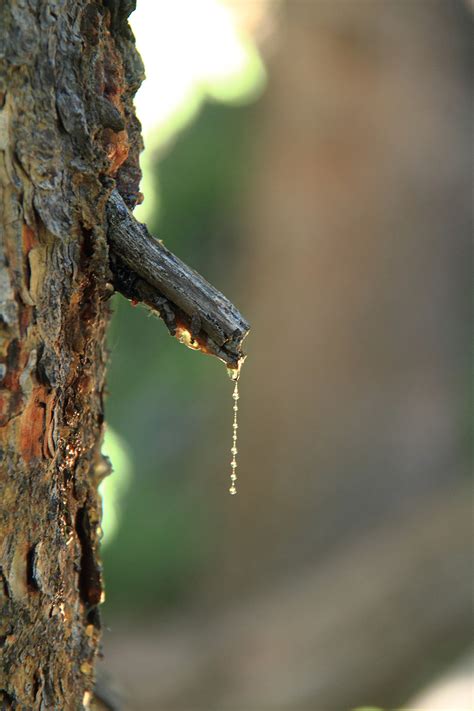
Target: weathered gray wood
[[165, 283]]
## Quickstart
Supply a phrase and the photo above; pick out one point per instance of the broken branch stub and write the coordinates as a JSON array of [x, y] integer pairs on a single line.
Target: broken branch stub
[[193, 310]]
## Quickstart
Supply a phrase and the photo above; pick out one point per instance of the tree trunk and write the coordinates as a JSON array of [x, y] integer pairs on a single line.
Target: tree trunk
[[68, 72]]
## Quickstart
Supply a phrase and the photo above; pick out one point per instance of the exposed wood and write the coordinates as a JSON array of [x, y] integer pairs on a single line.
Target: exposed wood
[[194, 310]]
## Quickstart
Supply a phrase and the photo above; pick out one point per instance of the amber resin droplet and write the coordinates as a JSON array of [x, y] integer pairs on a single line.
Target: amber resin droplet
[[233, 451], [234, 375]]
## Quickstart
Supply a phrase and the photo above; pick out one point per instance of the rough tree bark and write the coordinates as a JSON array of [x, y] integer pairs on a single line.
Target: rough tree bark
[[69, 147], [68, 72]]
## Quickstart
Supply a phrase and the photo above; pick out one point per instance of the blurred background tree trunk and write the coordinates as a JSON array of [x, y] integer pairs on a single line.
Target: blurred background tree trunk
[[68, 72], [352, 382], [341, 571]]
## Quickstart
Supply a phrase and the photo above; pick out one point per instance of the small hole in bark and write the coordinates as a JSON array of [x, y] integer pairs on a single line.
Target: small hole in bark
[[31, 576], [90, 588], [93, 618], [4, 583], [13, 355], [36, 684], [87, 246], [41, 366], [7, 701], [27, 274]]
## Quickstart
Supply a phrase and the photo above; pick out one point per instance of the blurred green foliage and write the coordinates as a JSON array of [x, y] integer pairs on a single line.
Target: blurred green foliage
[[113, 488], [162, 396]]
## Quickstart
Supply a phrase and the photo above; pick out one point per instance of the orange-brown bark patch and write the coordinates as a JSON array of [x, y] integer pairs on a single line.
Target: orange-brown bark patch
[[117, 148], [33, 422], [26, 316], [29, 239]]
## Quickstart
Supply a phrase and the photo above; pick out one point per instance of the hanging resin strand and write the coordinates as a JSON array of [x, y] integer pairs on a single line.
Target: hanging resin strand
[[234, 375]]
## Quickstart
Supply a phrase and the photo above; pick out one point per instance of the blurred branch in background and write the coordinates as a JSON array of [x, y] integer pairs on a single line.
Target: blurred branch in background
[[335, 636]]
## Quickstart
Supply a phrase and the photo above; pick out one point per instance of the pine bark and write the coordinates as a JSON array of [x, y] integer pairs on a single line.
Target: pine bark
[[68, 135]]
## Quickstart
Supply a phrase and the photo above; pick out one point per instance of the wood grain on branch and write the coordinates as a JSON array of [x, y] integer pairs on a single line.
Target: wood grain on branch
[[194, 310]]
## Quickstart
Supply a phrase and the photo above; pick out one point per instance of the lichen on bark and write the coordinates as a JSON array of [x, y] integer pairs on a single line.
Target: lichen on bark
[[68, 135]]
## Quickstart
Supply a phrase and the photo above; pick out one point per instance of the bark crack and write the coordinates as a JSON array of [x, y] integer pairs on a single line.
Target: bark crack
[[90, 583]]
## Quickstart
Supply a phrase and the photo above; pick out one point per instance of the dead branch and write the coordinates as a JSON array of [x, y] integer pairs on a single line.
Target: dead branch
[[193, 310]]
